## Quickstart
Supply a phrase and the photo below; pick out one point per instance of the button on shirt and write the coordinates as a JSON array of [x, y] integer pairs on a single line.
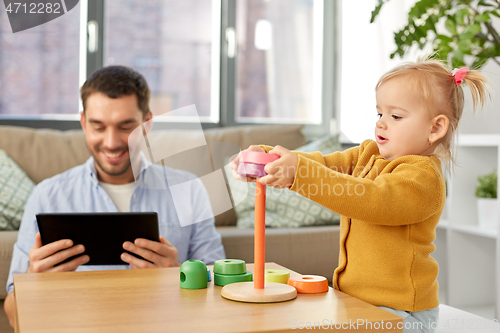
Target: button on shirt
[[78, 190]]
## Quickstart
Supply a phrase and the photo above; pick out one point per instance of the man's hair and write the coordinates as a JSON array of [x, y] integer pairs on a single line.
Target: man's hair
[[117, 81]]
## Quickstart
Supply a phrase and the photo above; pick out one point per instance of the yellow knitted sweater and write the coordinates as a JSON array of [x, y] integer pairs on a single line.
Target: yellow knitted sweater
[[390, 209]]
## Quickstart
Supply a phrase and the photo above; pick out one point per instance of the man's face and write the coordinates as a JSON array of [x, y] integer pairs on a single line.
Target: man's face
[[107, 124]]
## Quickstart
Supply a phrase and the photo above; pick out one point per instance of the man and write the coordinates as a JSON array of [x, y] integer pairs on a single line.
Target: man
[[115, 102]]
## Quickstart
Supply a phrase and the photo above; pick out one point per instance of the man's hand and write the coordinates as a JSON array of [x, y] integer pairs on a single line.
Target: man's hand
[[43, 258], [235, 162], [160, 254], [281, 173]]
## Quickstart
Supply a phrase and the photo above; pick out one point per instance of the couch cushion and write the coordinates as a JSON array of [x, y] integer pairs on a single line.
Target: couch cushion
[[15, 189], [7, 240], [43, 153]]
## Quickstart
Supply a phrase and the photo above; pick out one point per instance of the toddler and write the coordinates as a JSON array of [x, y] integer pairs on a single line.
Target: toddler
[[390, 191]]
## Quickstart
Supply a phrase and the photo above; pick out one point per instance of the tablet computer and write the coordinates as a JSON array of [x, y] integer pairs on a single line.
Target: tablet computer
[[102, 234]]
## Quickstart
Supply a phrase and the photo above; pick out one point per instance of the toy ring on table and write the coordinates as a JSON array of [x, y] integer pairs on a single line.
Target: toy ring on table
[[257, 157], [230, 267], [276, 275], [309, 284], [223, 279]]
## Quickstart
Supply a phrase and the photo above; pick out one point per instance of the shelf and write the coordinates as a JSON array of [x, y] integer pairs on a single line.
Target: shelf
[[469, 255], [473, 230], [485, 311], [468, 229], [479, 140], [443, 224]]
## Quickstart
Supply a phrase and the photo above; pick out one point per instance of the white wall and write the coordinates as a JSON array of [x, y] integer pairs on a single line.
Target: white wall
[[365, 57], [486, 121]]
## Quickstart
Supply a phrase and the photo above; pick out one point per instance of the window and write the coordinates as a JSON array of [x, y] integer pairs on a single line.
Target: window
[[238, 62], [279, 44], [172, 44], [39, 68]]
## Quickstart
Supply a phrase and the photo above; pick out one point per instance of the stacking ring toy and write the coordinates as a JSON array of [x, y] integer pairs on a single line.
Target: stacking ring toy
[[258, 291], [253, 162], [309, 284]]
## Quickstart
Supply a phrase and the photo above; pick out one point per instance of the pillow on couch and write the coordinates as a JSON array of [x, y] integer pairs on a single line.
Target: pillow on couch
[[15, 189], [284, 208]]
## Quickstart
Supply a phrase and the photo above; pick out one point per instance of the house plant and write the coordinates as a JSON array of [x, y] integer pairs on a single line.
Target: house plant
[[461, 32], [487, 202]]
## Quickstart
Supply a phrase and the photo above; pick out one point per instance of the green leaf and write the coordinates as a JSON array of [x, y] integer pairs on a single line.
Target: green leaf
[[377, 9], [421, 7], [495, 13], [459, 16], [464, 46], [470, 31], [485, 4], [487, 52], [481, 17], [443, 48], [444, 38], [473, 29], [457, 60], [451, 26]]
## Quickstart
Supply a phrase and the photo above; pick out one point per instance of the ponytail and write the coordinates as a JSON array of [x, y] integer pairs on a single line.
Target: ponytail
[[477, 84]]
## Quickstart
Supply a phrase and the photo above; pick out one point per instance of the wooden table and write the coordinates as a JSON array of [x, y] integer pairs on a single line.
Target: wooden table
[[150, 300]]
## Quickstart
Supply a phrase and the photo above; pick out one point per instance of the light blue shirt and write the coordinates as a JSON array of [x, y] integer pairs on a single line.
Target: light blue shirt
[[78, 190]]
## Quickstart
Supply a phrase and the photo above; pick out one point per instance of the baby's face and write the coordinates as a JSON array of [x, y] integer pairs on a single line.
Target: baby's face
[[404, 124]]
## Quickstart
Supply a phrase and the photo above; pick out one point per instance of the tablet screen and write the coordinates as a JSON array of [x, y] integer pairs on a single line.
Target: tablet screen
[[102, 234]]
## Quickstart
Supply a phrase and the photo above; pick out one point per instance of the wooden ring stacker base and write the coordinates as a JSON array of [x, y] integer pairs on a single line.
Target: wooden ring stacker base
[[258, 291]]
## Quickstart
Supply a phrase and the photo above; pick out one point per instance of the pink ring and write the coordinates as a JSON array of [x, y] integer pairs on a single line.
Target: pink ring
[[257, 157], [251, 170]]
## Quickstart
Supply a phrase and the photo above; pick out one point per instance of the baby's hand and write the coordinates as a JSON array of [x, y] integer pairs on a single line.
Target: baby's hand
[[235, 162], [281, 172]]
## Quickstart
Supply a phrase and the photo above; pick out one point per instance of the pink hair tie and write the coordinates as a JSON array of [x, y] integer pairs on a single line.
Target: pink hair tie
[[459, 74]]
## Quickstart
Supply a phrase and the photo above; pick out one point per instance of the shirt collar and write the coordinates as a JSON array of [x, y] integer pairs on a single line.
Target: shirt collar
[[92, 172]]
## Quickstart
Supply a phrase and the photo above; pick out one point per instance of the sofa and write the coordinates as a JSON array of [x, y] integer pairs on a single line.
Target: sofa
[[43, 153]]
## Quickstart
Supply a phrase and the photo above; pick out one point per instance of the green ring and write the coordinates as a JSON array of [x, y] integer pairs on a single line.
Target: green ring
[[230, 267], [222, 280]]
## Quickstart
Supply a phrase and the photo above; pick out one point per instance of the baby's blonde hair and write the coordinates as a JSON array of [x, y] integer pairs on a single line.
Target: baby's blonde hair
[[436, 85]]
